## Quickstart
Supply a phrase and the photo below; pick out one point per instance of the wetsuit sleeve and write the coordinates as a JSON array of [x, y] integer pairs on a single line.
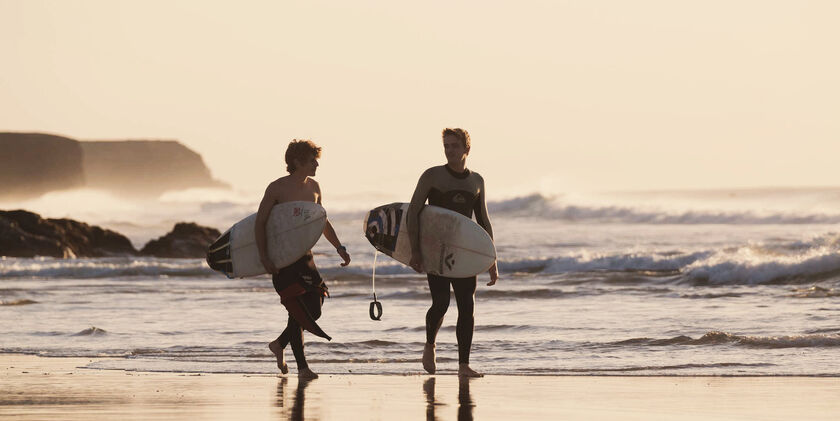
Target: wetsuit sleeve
[[418, 199], [480, 211]]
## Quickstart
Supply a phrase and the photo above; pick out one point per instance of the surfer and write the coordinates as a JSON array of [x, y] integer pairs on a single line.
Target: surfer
[[451, 186], [299, 285]]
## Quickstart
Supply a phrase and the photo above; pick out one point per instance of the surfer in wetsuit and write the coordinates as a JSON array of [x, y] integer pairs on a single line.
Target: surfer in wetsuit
[[451, 186], [299, 285]]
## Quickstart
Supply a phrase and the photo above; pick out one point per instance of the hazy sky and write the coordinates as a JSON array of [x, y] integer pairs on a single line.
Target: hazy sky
[[558, 95]]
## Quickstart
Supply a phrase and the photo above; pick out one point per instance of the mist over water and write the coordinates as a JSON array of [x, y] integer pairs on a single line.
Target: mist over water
[[739, 282]]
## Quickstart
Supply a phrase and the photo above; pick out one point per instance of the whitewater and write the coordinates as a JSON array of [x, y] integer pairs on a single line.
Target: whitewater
[[735, 282]]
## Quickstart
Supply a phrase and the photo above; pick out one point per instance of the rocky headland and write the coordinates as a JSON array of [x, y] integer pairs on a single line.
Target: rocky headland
[[32, 164], [143, 167]]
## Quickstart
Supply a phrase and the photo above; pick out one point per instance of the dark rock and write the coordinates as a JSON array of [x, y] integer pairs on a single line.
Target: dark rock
[[26, 234], [186, 240], [15, 242], [32, 164]]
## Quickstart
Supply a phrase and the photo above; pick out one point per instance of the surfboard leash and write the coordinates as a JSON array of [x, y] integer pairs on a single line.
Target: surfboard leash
[[375, 310]]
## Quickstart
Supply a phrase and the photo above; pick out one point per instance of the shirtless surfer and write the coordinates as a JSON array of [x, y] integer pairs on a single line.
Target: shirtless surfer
[[451, 186], [299, 285]]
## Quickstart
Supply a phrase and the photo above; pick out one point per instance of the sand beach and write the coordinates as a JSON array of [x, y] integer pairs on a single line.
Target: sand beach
[[37, 388]]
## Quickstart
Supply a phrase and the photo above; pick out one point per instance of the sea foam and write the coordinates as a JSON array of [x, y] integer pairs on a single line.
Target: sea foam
[[44, 267]]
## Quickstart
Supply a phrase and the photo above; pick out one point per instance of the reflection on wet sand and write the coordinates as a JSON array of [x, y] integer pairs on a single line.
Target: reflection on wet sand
[[281, 392], [429, 391], [465, 401], [298, 400]]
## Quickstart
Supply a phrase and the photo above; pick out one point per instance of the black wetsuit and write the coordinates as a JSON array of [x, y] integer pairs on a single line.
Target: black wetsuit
[[463, 193], [304, 272]]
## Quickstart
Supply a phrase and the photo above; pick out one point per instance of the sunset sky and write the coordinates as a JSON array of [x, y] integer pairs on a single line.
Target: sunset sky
[[558, 95]]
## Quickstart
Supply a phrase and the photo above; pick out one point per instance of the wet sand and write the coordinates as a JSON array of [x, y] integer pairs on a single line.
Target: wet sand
[[59, 388]]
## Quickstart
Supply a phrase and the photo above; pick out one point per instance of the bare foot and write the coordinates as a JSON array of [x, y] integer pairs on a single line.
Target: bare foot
[[429, 358], [278, 352], [464, 370], [306, 373]]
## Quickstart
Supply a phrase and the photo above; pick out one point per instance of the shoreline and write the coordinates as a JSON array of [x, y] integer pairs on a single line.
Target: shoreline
[[33, 387], [442, 372]]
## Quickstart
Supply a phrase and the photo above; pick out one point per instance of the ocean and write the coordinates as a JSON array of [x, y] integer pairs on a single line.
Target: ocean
[[676, 283]]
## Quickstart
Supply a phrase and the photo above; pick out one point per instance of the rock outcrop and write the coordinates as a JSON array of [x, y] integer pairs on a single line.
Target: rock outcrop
[[32, 164], [26, 234], [186, 240]]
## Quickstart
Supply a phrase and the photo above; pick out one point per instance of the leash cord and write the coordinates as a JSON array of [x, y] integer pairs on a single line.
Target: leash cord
[[375, 306]]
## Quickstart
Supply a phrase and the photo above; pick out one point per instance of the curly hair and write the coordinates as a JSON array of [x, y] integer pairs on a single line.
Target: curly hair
[[300, 149], [461, 134]]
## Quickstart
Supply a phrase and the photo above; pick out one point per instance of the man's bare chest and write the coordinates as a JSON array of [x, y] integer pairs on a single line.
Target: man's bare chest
[[293, 195]]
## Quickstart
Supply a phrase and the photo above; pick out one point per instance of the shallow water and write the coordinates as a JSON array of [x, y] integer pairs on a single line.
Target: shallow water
[[593, 294]]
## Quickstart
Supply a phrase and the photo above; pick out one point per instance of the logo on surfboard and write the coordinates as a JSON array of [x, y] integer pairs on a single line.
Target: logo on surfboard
[[306, 213], [447, 258], [450, 260]]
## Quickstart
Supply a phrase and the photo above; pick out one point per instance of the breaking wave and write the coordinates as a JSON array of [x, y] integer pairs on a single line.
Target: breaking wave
[[655, 262], [796, 262], [790, 263], [91, 331], [538, 205]]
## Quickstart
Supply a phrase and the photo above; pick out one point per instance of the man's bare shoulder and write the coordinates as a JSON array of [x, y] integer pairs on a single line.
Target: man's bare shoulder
[[276, 188], [278, 183]]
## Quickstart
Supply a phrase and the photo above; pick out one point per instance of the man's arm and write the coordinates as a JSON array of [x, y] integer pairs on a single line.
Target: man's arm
[[331, 236], [412, 220], [268, 201], [480, 211], [483, 219]]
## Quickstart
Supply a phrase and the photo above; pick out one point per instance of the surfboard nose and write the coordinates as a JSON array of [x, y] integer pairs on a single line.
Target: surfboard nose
[[382, 225], [372, 226]]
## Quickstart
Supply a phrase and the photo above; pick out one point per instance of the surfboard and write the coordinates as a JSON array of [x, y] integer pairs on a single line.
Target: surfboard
[[291, 230], [452, 245]]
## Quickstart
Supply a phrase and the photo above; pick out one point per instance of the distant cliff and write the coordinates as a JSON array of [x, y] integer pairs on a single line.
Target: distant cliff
[[32, 164], [143, 167]]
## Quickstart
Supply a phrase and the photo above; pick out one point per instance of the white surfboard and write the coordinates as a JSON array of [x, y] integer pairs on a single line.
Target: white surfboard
[[452, 245], [291, 230]]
